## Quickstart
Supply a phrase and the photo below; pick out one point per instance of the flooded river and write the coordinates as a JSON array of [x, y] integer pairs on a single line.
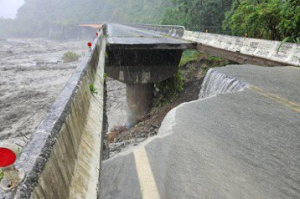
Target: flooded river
[[32, 74]]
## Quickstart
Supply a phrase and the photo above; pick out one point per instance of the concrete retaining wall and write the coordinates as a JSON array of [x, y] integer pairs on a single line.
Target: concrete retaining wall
[[288, 54], [62, 159]]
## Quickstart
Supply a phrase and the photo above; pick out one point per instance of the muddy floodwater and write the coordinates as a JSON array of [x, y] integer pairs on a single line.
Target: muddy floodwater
[[32, 74], [116, 103]]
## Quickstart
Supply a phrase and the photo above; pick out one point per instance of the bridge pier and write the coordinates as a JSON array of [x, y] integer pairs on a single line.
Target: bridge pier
[[140, 69], [139, 97]]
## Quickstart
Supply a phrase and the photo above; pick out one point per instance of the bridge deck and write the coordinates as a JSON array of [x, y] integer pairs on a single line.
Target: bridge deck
[[121, 36]]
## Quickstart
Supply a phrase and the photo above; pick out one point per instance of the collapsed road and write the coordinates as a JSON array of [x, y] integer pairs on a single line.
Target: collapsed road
[[239, 140]]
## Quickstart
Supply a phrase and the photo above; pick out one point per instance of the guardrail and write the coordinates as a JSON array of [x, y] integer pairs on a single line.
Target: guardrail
[[62, 159], [170, 30]]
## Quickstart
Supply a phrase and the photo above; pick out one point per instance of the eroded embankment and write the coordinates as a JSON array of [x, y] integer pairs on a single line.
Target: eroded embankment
[[192, 70], [117, 168], [121, 138], [213, 84]]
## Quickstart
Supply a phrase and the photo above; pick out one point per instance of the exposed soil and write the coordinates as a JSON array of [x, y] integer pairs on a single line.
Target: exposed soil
[[32, 74]]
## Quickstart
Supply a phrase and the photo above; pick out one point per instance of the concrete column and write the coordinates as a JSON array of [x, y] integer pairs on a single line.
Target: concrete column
[[140, 66], [139, 97]]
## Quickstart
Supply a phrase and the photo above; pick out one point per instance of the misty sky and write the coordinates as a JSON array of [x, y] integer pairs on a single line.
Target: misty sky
[[9, 8]]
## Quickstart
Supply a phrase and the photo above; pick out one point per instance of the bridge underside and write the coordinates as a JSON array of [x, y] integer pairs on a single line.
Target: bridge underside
[[140, 66]]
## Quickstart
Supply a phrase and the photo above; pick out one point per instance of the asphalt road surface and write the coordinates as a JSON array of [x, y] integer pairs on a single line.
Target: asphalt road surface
[[236, 145]]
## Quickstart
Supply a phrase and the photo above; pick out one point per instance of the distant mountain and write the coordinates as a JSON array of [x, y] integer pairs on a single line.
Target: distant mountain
[[95, 11], [42, 18], [9, 9]]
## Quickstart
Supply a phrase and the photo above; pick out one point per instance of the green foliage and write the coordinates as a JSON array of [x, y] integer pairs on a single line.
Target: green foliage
[[19, 150], [70, 57], [105, 75], [132, 11], [197, 15], [268, 19], [215, 59], [93, 89], [188, 56], [1, 175], [168, 90], [288, 39]]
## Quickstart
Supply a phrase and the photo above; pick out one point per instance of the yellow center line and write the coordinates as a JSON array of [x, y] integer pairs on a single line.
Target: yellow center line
[[290, 104], [145, 175]]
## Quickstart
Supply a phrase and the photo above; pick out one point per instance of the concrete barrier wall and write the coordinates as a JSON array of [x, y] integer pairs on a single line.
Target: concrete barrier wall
[[62, 159], [288, 54], [240, 49]]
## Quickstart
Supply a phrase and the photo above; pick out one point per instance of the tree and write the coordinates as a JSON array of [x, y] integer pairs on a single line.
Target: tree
[[198, 14], [268, 19]]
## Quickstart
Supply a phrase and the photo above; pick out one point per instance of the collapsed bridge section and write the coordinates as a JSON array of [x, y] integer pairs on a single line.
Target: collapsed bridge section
[[141, 58]]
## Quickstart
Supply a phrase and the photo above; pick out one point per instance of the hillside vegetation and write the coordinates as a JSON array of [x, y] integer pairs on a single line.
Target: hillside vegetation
[[75, 11], [267, 19], [198, 14]]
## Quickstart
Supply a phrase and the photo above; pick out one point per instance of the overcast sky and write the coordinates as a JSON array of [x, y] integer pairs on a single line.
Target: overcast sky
[[9, 8]]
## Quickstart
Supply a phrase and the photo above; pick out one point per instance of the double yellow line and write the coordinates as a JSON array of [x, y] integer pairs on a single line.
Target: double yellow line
[[290, 104]]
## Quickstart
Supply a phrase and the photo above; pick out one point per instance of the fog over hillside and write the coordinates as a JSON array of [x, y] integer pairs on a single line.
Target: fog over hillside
[[257, 19], [44, 18], [9, 8]]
